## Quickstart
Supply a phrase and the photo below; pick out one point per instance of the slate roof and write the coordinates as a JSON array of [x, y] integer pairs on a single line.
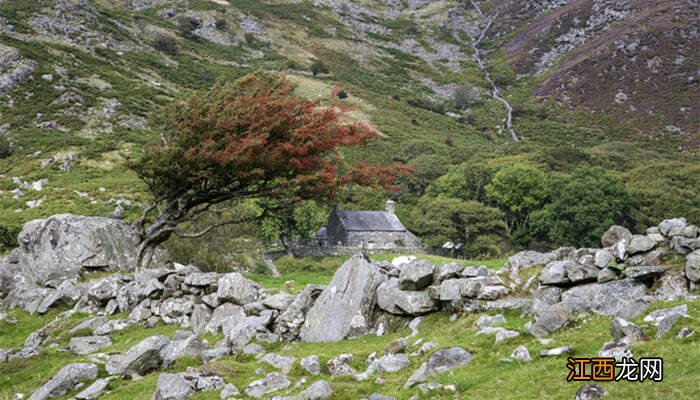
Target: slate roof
[[370, 221]]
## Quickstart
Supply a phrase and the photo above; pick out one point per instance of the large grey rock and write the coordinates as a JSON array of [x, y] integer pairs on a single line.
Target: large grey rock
[[542, 299], [350, 296], [440, 361], [190, 346], [530, 258], [640, 244], [614, 234], [416, 275], [221, 313], [692, 266], [403, 302], [566, 272], [385, 363], [63, 246], [552, 319], [279, 301], [238, 331], [88, 344], [624, 298], [93, 391], [289, 323], [236, 288], [603, 258], [272, 382], [319, 390], [65, 380], [446, 271], [607, 275], [202, 279], [656, 316], [643, 272], [143, 357], [488, 320], [173, 387], [674, 224], [229, 391]]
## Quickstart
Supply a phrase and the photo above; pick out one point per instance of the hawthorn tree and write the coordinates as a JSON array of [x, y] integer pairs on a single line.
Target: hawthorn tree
[[250, 139]]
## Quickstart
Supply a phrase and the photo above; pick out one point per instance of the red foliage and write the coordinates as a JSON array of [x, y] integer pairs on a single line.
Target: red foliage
[[253, 136]]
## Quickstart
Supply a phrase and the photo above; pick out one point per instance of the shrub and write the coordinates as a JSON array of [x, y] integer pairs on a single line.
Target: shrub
[[8, 238], [5, 147], [464, 97], [318, 67], [165, 43], [221, 24], [249, 38], [187, 24]]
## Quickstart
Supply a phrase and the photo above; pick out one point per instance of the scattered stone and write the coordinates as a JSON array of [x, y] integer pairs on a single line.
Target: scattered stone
[[622, 328], [397, 346], [556, 351], [521, 354], [209, 383], [488, 320], [143, 357], [88, 344], [319, 390], [65, 380], [311, 364], [685, 332], [229, 391], [252, 349], [428, 386], [173, 387], [93, 391], [339, 365], [656, 316], [272, 382], [590, 391], [283, 363], [617, 349], [441, 361]]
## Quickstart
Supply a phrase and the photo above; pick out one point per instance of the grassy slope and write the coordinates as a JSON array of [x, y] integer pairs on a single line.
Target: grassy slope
[[380, 87], [485, 377]]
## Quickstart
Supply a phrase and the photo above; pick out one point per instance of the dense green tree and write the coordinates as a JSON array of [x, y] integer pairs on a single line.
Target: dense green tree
[[584, 205], [663, 190], [518, 190], [479, 227], [466, 181]]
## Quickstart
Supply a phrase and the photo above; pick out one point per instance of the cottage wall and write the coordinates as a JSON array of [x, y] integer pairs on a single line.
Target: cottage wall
[[378, 239]]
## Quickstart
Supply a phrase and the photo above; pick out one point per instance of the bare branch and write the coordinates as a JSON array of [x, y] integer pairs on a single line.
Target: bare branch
[[203, 232]]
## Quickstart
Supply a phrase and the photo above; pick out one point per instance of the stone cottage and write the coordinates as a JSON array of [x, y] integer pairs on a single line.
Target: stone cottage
[[366, 229]]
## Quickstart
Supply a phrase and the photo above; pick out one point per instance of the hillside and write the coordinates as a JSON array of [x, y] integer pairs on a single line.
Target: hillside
[[80, 81]]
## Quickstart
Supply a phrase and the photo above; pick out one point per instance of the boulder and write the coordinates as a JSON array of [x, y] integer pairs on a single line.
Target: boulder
[[350, 296], [200, 318], [475, 271], [542, 299], [656, 316], [673, 225], [385, 363], [229, 391], [397, 346], [65, 380], [319, 390], [643, 272], [440, 361], [289, 323], [94, 391], [272, 382], [190, 346], [403, 302], [530, 258], [551, 319], [624, 298], [279, 301], [62, 247], [311, 364], [615, 234], [416, 275], [88, 344], [566, 272], [237, 289], [143, 357], [401, 260], [173, 387], [202, 279], [603, 258], [488, 320], [607, 275], [556, 351], [446, 271], [640, 244], [692, 266], [226, 310]]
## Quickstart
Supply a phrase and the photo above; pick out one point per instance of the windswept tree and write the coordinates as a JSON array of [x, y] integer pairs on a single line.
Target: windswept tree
[[250, 139]]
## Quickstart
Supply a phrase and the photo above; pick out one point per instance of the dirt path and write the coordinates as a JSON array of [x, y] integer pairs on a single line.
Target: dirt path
[[495, 91]]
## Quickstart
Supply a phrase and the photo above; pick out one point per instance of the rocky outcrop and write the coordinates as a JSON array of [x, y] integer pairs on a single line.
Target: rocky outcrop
[[346, 307], [64, 247]]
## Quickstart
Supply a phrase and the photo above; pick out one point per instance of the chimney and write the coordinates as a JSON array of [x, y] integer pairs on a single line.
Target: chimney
[[390, 206]]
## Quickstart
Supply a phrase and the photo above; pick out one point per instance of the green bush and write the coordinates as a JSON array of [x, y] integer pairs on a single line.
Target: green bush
[[5, 147], [584, 205]]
